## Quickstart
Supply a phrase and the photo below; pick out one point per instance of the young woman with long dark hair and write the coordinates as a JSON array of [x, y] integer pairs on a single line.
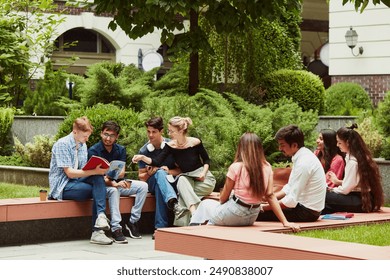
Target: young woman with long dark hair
[[361, 189]]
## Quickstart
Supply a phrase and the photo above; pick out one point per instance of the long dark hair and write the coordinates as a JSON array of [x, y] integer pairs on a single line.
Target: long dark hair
[[330, 147], [370, 179], [250, 152]]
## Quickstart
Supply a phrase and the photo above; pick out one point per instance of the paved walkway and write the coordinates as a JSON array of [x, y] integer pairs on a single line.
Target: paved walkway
[[136, 249]]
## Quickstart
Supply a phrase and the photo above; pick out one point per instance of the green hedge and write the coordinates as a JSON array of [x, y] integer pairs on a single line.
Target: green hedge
[[303, 87], [346, 99]]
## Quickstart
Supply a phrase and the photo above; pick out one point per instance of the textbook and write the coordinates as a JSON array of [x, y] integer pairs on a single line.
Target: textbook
[[114, 167], [338, 216]]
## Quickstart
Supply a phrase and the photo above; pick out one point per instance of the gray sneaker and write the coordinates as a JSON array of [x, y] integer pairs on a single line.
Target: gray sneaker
[[179, 210], [98, 237], [102, 222]]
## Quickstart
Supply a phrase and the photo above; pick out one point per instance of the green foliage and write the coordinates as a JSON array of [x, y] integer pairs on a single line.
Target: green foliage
[[346, 99], [362, 4], [370, 134], [131, 136], [301, 86], [14, 160], [26, 31], [113, 83], [224, 16], [38, 153], [249, 55], [385, 153], [174, 81], [6, 120], [44, 101], [383, 115]]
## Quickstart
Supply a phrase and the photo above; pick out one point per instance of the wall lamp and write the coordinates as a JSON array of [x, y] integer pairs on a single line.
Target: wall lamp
[[351, 38]]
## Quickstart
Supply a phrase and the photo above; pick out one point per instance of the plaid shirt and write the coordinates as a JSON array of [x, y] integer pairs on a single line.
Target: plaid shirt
[[64, 155]]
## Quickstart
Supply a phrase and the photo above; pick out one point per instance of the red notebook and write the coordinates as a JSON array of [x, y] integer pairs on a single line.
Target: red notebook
[[95, 161]]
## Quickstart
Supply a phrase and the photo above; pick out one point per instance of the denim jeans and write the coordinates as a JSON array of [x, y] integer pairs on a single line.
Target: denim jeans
[[228, 214], [163, 191], [140, 189], [86, 188]]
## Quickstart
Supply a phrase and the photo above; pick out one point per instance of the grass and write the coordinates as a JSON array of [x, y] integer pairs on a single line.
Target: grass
[[19, 191], [372, 234]]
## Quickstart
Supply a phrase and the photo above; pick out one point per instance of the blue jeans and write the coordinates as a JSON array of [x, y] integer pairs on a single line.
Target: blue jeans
[[228, 214], [163, 191], [140, 189], [86, 188]]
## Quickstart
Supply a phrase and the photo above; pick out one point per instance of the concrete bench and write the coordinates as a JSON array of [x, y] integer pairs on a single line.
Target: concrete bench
[[266, 241], [29, 220]]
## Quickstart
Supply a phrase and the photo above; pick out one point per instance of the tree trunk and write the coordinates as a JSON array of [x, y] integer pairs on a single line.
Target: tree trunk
[[194, 57]]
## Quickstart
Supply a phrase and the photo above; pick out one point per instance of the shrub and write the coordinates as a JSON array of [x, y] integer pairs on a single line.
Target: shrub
[[6, 120], [303, 87], [38, 153], [371, 136], [48, 91], [383, 115], [346, 99], [385, 153]]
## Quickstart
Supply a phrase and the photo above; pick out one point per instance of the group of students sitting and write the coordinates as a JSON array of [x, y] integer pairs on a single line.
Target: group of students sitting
[[340, 176]]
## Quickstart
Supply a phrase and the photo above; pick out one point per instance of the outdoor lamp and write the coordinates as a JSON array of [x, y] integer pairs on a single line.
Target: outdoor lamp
[[351, 38]]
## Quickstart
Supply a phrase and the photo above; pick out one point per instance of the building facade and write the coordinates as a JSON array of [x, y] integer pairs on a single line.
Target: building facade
[[371, 69]]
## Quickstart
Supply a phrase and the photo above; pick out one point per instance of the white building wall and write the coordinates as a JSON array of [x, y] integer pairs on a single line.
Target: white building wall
[[126, 48], [373, 28]]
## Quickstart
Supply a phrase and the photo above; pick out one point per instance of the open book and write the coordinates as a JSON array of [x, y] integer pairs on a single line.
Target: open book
[[114, 167]]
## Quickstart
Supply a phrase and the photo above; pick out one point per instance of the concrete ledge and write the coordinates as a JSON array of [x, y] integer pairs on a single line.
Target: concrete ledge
[[29, 176], [28, 220], [266, 241]]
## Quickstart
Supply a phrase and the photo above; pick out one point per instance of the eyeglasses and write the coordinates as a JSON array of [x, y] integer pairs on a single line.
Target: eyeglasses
[[171, 131], [107, 135]]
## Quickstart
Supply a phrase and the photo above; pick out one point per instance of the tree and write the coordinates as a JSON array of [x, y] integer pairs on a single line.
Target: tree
[[26, 31], [138, 18], [362, 4]]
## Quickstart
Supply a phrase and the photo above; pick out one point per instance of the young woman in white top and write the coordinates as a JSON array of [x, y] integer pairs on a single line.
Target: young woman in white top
[[249, 181], [361, 189]]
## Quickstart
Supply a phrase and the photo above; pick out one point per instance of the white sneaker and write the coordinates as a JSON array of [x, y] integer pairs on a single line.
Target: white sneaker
[[98, 237], [102, 222]]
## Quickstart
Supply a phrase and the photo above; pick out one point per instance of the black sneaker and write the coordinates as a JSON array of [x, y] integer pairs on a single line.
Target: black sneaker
[[133, 230], [119, 237]]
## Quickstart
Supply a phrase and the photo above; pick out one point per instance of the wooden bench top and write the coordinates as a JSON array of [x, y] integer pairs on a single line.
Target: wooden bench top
[[24, 209], [264, 240]]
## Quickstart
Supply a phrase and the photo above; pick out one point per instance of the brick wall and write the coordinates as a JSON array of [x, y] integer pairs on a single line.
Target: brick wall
[[375, 85]]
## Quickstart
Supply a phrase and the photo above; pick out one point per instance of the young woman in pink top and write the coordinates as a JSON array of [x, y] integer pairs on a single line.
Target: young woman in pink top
[[249, 181], [330, 155]]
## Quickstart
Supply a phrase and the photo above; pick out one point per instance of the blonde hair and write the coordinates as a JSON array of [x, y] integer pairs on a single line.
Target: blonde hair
[[181, 123], [83, 124]]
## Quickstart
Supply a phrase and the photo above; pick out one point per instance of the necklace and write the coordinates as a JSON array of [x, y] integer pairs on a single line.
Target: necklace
[[181, 145]]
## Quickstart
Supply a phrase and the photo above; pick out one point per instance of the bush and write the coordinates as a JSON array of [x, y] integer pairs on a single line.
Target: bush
[[383, 115], [38, 153], [371, 135], [346, 99], [303, 87], [48, 91], [6, 120]]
